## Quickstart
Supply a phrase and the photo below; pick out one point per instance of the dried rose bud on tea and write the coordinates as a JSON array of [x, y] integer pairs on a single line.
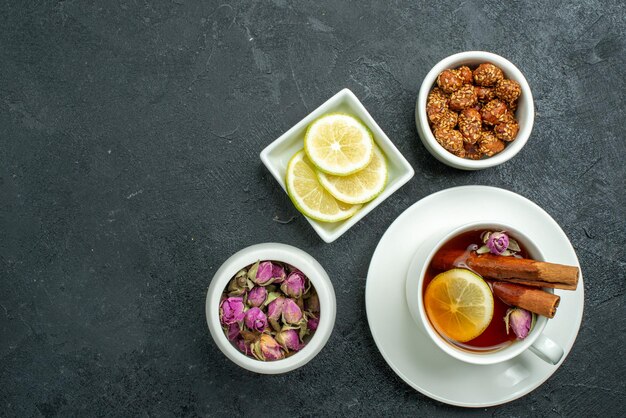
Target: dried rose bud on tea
[[269, 310]]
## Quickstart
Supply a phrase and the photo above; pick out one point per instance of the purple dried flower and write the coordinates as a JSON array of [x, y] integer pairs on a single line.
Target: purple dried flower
[[232, 331], [257, 296], [292, 314], [266, 348], [312, 303], [243, 347], [232, 310], [498, 242], [312, 324], [274, 312], [519, 320], [278, 273], [255, 319], [294, 285], [289, 340]]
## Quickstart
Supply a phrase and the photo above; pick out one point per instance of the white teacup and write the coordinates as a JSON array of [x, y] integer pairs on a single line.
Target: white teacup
[[538, 343]]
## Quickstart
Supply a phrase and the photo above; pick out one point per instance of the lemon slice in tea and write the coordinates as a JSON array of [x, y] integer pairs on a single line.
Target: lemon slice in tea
[[459, 304]]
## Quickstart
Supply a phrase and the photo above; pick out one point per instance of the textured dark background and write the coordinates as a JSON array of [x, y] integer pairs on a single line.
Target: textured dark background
[[129, 171]]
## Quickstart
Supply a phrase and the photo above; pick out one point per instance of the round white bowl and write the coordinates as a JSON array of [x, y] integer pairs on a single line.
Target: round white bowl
[[286, 254], [536, 341], [525, 113]]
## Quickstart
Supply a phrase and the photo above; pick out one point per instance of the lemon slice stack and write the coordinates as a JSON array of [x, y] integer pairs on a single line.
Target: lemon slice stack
[[339, 169]]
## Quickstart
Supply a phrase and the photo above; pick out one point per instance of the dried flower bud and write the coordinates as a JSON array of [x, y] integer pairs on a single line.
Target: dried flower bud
[[257, 296], [232, 310], [255, 320], [487, 75], [278, 273], [267, 273], [243, 346], [275, 311], [294, 286], [232, 331], [462, 98], [312, 303], [519, 320], [508, 90], [470, 125], [449, 81], [292, 314], [497, 242], [289, 340], [312, 324], [266, 348]]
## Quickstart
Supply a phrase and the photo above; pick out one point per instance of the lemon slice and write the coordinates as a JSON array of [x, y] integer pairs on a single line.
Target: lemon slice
[[308, 195], [360, 187], [338, 144], [459, 304]]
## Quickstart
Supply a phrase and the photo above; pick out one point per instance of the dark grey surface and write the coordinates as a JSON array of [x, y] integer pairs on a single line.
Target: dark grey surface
[[129, 171]]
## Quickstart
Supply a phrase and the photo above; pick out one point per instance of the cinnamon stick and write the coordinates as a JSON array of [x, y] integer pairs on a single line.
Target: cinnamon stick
[[517, 270], [532, 299]]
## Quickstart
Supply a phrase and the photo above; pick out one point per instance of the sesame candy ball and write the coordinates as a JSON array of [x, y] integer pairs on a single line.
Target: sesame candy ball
[[487, 75], [506, 131], [436, 105], [466, 74], [493, 112], [472, 152], [450, 139], [470, 125], [508, 90], [462, 98], [449, 81], [489, 145], [485, 94], [448, 120]]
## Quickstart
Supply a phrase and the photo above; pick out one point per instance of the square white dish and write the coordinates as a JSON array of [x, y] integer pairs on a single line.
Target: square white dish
[[276, 156]]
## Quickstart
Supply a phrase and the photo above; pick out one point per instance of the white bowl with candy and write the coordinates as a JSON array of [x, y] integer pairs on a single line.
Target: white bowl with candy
[[270, 308]]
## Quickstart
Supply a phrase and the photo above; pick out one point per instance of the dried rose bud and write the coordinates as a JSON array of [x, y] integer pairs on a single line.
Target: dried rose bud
[[449, 81], [292, 314], [294, 286], [487, 75], [470, 125], [266, 348], [275, 311], [264, 275], [450, 139], [498, 242], [255, 320], [312, 324], [462, 98], [508, 90], [312, 303], [289, 340], [257, 296], [238, 284], [519, 320], [278, 273], [243, 346], [436, 105], [232, 331], [232, 310]]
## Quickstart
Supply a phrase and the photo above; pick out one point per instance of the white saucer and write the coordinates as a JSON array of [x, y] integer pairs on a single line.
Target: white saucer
[[416, 359]]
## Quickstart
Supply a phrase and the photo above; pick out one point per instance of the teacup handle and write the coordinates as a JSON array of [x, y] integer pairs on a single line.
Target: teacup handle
[[547, 350]]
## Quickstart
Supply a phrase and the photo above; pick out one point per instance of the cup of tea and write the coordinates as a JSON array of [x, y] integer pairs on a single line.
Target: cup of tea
[[495, 342]]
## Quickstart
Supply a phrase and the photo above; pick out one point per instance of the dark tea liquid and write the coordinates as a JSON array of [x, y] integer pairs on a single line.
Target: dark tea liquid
[[495, 336]]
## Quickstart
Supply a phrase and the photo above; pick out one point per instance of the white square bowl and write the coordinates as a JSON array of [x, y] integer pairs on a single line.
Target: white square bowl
[[276, 156]]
